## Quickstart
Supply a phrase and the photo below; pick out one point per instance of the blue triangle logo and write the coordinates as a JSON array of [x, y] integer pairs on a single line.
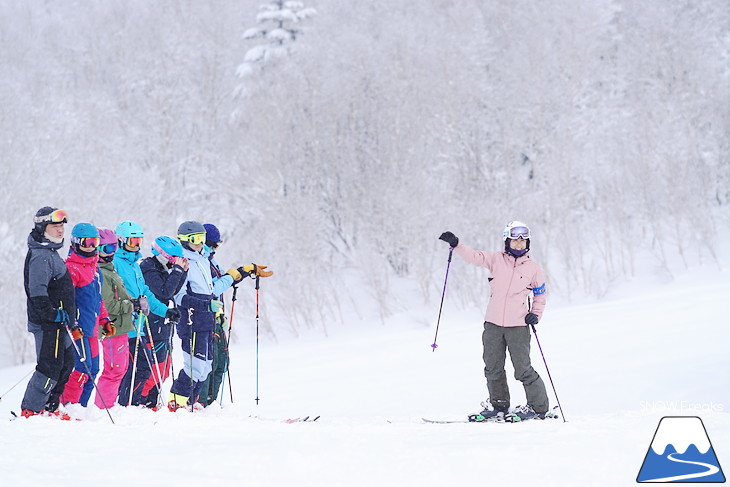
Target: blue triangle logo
[[681, 452]]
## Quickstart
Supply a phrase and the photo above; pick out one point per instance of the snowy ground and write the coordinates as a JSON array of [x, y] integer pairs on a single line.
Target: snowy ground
[[619, 365]]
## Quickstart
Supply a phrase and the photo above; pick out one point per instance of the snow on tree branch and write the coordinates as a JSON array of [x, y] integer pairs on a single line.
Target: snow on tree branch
[[277, 30]]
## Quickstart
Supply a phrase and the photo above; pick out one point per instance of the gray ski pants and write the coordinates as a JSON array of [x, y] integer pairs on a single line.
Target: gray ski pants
[[497, 340]]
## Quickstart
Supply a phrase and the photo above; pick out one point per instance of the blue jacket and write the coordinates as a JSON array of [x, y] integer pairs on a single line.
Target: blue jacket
[[126, 265], [87, 282], [221, 280], [195, 296]]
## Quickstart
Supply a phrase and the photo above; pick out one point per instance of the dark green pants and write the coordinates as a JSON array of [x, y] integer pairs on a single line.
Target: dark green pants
[[497, 340], [212, 385]]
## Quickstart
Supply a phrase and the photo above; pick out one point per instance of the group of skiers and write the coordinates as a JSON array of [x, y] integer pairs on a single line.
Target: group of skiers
[[106, 294]]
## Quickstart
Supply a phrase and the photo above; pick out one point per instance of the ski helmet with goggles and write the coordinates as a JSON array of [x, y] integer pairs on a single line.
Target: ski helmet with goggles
[[48, 215], [514, 230], [167, 247], [129, 233], [107, 241], [85, 235], [191, 232]]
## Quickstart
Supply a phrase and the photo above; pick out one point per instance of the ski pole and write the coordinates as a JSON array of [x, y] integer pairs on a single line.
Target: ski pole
[[192, 356], [257, 340], [16, 384], [134, 360], [443, 293], [529, 305], [157, 377], [171, 368], [226, 370], [82, 359]]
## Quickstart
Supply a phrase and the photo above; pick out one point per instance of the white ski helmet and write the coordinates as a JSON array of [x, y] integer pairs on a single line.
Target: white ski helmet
[[516, 229]]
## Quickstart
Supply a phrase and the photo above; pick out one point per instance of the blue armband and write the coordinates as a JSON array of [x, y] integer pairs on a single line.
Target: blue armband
[[539, 290]]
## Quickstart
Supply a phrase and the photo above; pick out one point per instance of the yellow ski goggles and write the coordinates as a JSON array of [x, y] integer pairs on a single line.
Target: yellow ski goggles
[[193, 238]]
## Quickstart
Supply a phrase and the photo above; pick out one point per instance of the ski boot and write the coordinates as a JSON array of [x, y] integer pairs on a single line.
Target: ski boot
[[489, 413], [27, 413], [524, 413]]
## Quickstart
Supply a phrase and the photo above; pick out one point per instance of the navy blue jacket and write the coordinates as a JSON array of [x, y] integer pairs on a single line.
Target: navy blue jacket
[[163, 284]]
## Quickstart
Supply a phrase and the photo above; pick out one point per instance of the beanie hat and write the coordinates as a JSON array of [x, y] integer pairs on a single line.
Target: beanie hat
[[212, 235]]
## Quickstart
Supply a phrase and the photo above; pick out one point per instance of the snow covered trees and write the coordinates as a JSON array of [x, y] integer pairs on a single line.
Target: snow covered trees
[[394, 121], [278, 27]]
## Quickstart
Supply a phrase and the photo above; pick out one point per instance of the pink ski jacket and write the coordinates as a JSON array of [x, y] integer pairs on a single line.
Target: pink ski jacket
[[511, 281]]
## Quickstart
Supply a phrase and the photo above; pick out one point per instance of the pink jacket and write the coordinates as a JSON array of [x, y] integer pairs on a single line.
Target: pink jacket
[[511, 281]]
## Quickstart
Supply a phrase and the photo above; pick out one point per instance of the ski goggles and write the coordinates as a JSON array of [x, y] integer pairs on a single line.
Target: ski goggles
[[193, 238], [86, 242], [170, 258], [133, 241], [109, 248], [56, 216], [519, 232]]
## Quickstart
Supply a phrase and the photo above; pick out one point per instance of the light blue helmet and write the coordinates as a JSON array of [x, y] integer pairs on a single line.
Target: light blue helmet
[[167, 247], [128, 229], [131, 234]]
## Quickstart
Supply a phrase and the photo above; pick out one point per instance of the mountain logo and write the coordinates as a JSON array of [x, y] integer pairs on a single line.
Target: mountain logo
[[681, 452]]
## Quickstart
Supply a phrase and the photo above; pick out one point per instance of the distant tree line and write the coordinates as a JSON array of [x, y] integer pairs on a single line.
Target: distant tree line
[[338, 164]]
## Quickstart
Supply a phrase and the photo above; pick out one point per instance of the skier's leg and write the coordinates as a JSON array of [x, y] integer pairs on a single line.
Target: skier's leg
[[92, 362], [116, 363], [202, 362], [125, 386], [494, 356], [518, 343], [144, 369], [55, 362], [220, 362], [76, 384], [182, 387], [66, 356]]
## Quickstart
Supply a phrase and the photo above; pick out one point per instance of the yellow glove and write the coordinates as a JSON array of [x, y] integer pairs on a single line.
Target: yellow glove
[[235, 274], [257, 270]]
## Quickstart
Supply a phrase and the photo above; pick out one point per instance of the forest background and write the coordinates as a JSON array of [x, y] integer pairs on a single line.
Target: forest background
[[603, 125]]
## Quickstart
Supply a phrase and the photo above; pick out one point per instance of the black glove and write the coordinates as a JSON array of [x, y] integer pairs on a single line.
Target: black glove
[[531, 319], [173, 315], [450, 239]]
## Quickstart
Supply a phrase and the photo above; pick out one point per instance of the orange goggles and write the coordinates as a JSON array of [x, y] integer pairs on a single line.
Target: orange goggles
[[193, 238], [134, 241], [56, 216]]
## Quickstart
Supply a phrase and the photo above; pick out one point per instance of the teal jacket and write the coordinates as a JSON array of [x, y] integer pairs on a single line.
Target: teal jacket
[[126, 265]]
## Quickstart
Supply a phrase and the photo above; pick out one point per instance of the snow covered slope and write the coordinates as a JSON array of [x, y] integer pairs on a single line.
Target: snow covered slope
[[619, 366]]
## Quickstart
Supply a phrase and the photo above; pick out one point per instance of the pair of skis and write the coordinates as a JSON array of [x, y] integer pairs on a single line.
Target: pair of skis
[[305, 419], [502, 418], [57, 415], [300, 419]]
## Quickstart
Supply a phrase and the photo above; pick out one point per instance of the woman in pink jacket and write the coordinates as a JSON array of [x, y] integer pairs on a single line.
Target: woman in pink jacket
[[514, 279]]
